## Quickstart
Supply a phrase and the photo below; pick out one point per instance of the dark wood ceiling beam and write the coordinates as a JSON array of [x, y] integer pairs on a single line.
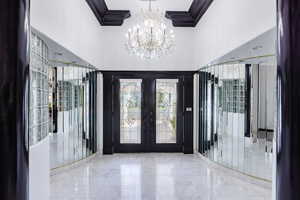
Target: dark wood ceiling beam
[[191, 17], [105, 16]]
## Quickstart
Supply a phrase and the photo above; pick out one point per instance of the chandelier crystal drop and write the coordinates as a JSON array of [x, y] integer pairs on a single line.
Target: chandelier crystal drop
[[150, 39]]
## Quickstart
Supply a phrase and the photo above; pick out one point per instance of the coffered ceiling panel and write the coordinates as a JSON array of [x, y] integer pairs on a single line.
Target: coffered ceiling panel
[[135, 5]]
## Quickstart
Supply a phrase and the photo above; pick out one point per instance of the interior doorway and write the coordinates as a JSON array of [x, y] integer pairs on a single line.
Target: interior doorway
[[148, 111], [148, 114]]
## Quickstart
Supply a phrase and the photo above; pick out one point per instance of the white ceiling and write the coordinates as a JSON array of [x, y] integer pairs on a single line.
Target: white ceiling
[[256, 51], [58, 53], [135, 5], [72, 24], [113, 39]]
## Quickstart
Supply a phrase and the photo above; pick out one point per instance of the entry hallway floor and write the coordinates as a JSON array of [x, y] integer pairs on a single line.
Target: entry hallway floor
[[161, 176]]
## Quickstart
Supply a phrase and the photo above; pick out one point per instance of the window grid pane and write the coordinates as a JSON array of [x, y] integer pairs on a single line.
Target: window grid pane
[[130, 111], [166, 110]]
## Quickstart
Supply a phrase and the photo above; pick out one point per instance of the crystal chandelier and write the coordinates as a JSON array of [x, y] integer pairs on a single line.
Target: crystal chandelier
[[151, 38]]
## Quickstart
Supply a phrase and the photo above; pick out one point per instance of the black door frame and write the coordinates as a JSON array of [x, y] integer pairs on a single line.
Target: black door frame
[[111, 112], [148, 119]]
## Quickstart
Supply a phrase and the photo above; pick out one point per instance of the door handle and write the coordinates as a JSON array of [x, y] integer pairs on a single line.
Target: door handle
[[151, 117]]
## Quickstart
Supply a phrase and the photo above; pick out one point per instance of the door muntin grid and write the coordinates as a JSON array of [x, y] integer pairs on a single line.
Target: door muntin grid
[[166, 111], [130, 111]]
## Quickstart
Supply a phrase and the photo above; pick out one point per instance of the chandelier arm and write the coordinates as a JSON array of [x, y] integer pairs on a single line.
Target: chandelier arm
[[138, 37], [130, 41], [164, 39], [151, 40], [151, 37]]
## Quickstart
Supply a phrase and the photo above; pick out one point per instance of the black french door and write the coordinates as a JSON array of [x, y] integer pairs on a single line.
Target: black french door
[[148, 113]]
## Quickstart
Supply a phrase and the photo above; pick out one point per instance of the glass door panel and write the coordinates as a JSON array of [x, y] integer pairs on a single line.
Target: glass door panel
[[166, 111], [148, 113], [130, 111]]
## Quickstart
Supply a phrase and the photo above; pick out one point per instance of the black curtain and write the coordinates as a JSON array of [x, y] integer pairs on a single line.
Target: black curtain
[[14, 99]]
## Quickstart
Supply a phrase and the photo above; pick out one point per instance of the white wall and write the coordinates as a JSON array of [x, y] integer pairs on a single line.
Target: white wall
[[116, 56], [39, 171], [196, 112], [72, 24], [254, 100], [274, 171], [263, 96], [267, 96], [230, 23], [100, 112], [226, 25]]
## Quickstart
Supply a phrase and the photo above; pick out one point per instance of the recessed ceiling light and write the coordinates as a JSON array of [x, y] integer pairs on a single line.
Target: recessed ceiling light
[[58, 54], [257, 47]]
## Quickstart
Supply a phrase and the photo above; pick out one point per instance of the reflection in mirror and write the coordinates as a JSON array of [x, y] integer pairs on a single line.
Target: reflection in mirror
[[236, 116], [74, 137], [38, 113], [62, 102]]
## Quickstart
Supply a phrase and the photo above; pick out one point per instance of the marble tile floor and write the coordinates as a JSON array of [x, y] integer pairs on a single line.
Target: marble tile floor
[[153, 176]]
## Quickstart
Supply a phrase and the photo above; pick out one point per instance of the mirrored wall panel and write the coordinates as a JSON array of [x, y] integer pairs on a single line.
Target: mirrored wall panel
[[39, 117], [236, 116], [73, 114], [63, 102]]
